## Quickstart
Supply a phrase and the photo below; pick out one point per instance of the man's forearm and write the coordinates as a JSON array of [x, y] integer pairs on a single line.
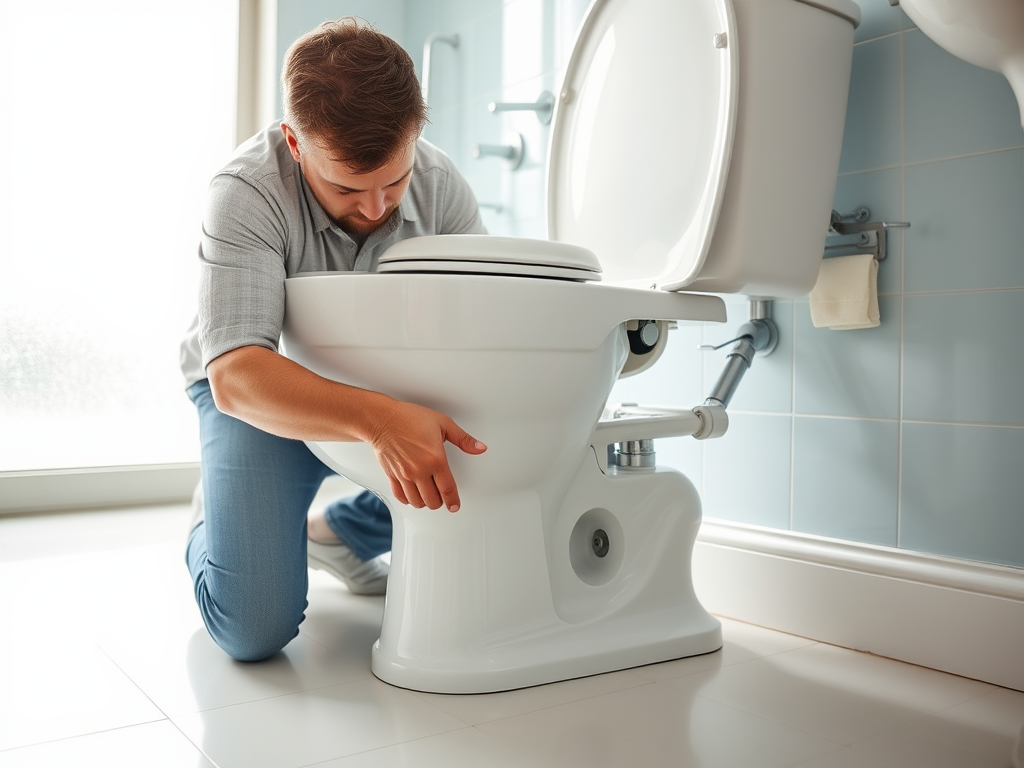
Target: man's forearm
[[275, 394]]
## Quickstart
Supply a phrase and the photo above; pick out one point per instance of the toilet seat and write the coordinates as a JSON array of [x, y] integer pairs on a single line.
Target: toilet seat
[[486, 255], [638, 164]]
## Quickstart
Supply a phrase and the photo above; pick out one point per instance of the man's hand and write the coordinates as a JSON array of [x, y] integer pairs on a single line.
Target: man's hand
[[279, 396], [409, 445]]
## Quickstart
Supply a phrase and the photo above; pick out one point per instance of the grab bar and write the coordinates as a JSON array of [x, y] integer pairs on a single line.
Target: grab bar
[[428, 47], [543, 106]]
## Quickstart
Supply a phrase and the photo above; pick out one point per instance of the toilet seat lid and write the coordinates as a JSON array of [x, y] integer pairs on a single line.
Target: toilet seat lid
[[638, 161], [486, 255]]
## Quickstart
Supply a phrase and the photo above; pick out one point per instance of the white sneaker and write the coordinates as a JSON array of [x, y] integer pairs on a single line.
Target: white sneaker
[[198, 511], [362, 577]]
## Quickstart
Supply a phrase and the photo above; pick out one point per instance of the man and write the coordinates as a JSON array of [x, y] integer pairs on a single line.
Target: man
[[341, 179]]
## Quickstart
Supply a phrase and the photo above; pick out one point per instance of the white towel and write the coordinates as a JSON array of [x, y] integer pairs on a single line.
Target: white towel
[[846, 294]]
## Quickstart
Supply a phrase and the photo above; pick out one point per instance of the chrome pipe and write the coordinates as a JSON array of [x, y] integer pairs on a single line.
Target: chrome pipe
[[428, 48]]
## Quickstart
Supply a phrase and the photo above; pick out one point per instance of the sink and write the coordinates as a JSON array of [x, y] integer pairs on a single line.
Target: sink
[[988, 33]]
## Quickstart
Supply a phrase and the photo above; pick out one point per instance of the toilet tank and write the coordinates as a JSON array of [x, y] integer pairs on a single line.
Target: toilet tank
[[793, 81], [696, 143]]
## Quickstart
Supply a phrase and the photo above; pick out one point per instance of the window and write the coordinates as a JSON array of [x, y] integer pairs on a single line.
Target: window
[[114, 116]]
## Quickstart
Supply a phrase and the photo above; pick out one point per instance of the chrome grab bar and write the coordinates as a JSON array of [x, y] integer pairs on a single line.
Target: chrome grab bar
[[428, 47], [544, 106]]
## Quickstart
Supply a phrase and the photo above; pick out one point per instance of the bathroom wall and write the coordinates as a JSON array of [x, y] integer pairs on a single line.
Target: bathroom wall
[[296, 17], [908, 435]]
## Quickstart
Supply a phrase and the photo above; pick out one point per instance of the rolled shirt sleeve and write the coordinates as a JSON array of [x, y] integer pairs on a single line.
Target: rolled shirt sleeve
[[242, 269]]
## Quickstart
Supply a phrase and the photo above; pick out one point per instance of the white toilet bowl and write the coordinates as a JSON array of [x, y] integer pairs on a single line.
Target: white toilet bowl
[[558, 566]]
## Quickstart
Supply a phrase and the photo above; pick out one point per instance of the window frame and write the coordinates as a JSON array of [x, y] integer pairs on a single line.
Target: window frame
[[44, 490]]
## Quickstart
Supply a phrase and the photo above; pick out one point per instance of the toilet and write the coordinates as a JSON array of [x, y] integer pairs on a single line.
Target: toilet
[[694, 151]]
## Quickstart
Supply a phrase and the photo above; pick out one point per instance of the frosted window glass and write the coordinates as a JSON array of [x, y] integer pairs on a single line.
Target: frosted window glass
[[113, 117]]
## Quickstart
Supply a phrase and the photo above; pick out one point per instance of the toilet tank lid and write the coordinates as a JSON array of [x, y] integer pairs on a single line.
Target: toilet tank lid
[[846, 9]]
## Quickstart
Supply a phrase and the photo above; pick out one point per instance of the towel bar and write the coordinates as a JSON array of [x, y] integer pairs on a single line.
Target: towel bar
[[853, 233]]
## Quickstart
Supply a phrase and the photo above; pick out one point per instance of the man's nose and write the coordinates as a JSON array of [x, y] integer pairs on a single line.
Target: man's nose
[[373, 204]]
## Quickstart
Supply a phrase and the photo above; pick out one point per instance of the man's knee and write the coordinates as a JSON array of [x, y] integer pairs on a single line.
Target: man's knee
[[253, 637], [250, 624], [250, 647]]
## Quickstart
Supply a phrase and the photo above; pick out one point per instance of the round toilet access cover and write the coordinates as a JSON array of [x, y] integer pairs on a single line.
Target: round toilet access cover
[[486, 255]]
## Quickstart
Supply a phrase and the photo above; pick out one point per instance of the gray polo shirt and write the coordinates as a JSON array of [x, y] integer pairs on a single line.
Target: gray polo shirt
[[263, 224]]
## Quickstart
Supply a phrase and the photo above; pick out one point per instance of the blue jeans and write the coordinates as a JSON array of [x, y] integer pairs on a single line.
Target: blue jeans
[[248, 557]]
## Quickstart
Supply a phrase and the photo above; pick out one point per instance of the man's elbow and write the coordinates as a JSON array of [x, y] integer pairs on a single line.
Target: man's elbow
[[225, 381]]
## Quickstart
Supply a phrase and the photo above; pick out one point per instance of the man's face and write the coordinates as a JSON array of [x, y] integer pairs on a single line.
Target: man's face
[[359, 203]]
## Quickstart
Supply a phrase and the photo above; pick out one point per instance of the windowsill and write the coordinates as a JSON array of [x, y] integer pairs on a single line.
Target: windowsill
[[92, 487]]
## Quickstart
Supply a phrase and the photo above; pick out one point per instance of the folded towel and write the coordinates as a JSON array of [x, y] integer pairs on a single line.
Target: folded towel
[[846, 294]]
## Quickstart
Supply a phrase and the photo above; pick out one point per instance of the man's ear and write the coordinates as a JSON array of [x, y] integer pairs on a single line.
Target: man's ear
[[293, 142]]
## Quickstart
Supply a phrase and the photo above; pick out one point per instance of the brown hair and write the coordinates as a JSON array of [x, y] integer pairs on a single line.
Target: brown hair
[[353, 91]]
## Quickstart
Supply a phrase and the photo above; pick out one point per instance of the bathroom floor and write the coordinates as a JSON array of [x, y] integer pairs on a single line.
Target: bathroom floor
[[104, 662]]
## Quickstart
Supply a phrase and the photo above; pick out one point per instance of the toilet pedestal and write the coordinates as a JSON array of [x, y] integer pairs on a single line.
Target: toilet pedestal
[[491, 599]]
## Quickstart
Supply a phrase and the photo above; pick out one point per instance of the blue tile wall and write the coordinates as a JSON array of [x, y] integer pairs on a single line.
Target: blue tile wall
[[849, 373], [747, 477], [910, 434], [872, 138], [877, 18], [959, 360], [845, 479], [984, 116], [967, 228], [963, 491]]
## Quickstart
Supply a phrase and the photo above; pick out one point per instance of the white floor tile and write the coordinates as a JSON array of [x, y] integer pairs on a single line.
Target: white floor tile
[[666, 723], [341, 621], [987, 725], [742, 642], [482, 708], [53, 690], [154, 745], [848, 757], [24, 537], [187, 672], [314, 726], [105, 640], [88, 595], [913, 745], [865, 674], [978, 732], [466, 747], [834, 693]]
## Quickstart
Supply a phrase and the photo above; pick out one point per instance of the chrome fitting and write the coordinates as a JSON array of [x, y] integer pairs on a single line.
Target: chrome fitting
[[714, 420], [635, 454]]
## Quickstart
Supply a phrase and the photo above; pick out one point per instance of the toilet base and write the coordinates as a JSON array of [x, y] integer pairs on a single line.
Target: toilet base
[[516, 596], [576, 652]]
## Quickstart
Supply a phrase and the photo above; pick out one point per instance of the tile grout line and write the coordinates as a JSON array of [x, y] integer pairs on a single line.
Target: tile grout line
[[160, 709], [885, 420], [86, 735], [915, 163]]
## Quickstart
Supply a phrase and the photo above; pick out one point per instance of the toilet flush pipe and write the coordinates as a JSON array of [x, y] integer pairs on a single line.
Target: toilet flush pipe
[[759, 335]]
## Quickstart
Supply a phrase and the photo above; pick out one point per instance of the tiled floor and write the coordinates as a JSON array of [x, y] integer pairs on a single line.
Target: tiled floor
[[104, 661]]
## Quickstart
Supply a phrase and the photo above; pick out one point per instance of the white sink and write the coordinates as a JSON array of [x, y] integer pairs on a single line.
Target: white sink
[[988, 33]]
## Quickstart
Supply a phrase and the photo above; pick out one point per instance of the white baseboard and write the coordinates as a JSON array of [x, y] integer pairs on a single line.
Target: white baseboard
[[90, 488], [957, 616]]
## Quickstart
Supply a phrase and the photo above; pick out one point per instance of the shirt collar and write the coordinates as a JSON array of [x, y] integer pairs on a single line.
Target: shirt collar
[[321, 220]]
